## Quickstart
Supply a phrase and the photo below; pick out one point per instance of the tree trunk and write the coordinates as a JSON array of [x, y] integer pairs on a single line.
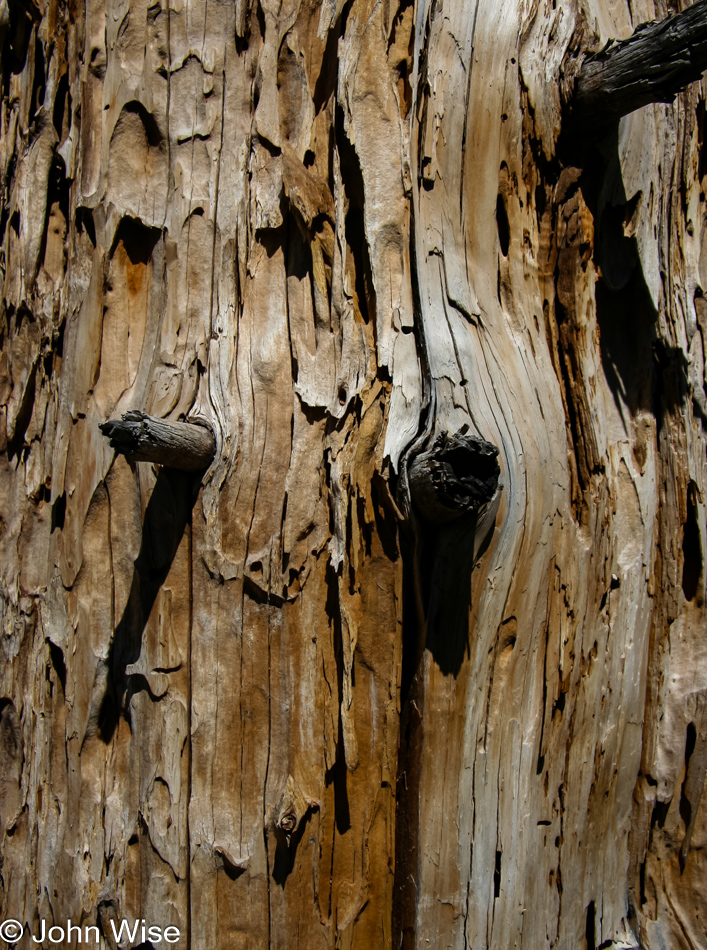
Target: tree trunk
[[285, 701]]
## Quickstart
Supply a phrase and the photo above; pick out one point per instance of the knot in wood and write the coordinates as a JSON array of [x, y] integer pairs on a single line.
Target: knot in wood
[[457, 475], [288, 823], [292, 809]]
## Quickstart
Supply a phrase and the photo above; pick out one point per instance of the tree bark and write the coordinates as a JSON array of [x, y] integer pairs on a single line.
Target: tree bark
[[288, 703]]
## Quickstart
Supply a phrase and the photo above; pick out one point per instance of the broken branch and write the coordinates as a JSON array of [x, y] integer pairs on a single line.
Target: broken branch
[[142, 438], [457, 475], [659, 60]]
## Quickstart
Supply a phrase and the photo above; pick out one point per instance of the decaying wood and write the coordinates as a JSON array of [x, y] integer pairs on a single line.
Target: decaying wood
[[142, 438], [655, 63], [457, 475], [332, 232]]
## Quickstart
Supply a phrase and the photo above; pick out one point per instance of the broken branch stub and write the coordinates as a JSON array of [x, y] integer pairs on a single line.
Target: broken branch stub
[[655, 63], [141, 438], [292, 809], [457, 475]]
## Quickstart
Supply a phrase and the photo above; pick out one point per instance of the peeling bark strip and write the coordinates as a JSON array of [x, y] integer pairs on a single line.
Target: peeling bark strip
[[653, 65], [142, 438], [456, 476]]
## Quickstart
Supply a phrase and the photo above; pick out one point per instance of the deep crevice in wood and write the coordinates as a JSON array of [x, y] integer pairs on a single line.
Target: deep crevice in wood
[[142, 438], [653, 65]]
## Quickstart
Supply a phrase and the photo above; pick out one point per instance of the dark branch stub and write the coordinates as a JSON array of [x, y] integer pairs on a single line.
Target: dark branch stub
[[653, 65], [457, 475], [142, 438]]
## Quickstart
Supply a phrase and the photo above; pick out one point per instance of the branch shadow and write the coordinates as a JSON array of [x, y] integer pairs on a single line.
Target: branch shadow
[[449, 554], [626, 314], [449, 592], [167, 515], [286, 854]]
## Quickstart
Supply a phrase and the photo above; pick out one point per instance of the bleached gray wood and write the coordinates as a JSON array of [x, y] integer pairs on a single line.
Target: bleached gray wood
[[334, 231]]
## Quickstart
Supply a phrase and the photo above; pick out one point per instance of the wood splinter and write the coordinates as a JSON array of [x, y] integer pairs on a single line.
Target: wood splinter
[[188, 446], [457, 475]]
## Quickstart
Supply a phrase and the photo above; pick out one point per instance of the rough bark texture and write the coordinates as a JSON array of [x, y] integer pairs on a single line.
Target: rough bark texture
[[276, 707]]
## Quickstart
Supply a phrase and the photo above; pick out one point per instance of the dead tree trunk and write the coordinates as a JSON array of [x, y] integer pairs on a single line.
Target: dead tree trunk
[[333, 686]]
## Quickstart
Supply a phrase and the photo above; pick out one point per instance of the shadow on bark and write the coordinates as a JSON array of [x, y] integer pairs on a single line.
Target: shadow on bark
[[642, 372], [407, 819], [285, 853], [455, 553], [167, 515], [626, 314], [439, 561]]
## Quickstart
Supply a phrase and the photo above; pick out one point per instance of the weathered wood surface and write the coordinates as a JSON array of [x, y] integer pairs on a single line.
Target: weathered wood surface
[[142, 438], [333, 232], [655, 63]]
